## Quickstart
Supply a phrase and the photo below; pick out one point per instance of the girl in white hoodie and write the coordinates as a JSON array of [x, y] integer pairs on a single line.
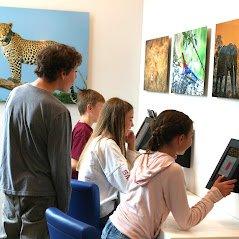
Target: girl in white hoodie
[[157, 185], [105, 160]]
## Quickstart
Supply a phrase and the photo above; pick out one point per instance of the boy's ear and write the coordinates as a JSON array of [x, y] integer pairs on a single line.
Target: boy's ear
[[62, 74], [89, 107]]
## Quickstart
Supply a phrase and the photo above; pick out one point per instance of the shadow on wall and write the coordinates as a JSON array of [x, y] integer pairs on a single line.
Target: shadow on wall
[[1, 201], [1, 127]]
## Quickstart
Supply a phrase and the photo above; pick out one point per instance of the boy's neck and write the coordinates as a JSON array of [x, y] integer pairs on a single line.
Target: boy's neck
[[45, 85], [87, 120]]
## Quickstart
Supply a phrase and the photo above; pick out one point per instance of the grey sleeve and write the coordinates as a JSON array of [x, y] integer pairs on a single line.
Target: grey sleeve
[[59, 143]]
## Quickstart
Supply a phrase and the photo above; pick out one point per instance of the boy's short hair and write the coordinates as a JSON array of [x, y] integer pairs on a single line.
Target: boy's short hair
[[56, 58], [86, 97]]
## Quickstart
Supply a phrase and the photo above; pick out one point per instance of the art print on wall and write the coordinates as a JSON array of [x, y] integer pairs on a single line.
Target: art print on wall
[[225, 74], [36, 29], [189, 62], [156, 64]]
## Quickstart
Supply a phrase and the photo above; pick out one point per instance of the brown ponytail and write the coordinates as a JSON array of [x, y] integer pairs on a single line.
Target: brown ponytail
[[167, 125]]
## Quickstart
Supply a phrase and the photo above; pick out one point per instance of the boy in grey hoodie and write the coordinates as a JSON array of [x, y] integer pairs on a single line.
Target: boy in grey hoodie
[[35, 169]]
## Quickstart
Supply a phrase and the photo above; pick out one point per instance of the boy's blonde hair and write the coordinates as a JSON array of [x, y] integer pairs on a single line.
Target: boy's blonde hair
[[88, 97]]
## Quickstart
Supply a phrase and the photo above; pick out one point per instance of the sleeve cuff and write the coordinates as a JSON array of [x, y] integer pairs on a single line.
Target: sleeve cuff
[[215, 194]]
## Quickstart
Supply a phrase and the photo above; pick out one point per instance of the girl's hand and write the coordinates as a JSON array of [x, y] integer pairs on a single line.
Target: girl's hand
[[225, 187], [130, 140]]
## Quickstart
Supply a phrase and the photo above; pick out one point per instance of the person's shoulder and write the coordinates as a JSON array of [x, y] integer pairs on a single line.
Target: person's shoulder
[[18, 94], [110, 142], [53, 104], [111, 146], [82, 128], [20, 88], [175, 168], [173, 174], [104, 143], [52, 100], [41, 97]]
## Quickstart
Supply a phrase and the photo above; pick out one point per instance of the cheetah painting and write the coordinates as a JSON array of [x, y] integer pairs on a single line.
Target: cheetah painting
[[24, 32], [18, 50]]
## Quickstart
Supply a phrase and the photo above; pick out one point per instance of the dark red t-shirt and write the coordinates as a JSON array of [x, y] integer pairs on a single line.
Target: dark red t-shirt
[[80, 135]]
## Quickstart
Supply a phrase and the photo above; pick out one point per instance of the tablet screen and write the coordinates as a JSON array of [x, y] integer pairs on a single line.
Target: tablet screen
[[230, 162]]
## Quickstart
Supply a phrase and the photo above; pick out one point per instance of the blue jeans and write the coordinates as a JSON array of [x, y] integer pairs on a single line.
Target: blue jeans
[[111, 232]]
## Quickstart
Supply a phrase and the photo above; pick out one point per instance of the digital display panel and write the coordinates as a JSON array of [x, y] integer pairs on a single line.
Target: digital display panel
[[144, 134], [228, 166], [230, 163]]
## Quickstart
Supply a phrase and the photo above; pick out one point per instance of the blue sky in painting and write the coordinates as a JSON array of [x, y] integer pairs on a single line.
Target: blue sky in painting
[[71, 28]]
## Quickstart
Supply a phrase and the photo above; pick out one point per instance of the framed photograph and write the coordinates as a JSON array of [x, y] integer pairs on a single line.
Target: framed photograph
[[225, 72], [24, 32], [157, 65], [189, 62]]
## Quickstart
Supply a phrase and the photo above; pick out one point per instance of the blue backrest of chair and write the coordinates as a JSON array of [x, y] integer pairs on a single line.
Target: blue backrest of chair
[[62, 226], [85, 202]]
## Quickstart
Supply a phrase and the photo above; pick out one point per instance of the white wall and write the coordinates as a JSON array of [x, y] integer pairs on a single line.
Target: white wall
[[114, 47], [215, 119]]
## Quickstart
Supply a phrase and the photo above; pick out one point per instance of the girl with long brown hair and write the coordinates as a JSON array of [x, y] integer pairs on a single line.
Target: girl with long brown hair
[[105, 160]]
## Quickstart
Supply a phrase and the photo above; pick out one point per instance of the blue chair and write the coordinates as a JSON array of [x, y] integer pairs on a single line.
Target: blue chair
[[62, 226], [85, 202]]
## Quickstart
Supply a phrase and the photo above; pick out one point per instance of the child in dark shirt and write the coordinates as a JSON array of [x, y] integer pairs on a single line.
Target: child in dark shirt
[[89, 104]]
